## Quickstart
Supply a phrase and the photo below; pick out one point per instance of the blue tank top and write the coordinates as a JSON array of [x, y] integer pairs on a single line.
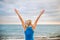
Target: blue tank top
[[29, 33]]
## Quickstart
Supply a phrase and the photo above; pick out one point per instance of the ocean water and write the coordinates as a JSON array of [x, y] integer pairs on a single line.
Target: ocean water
[[8, 30]]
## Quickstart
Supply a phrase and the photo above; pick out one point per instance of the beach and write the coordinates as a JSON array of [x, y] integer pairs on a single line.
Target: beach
[[36, 38]]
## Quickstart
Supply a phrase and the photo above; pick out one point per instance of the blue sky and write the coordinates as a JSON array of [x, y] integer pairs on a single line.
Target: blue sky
[[30, 9]]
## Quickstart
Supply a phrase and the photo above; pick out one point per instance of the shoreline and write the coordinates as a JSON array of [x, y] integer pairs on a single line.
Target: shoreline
[[36, 38]]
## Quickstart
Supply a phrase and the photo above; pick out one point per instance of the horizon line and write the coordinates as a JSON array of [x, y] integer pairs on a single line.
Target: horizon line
[[21, 24]]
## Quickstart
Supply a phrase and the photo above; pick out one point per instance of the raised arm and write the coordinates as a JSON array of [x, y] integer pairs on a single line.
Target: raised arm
[[35, 23], [21, 19]]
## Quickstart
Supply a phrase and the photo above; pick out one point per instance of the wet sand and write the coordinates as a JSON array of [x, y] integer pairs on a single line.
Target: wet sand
[[36, 38]]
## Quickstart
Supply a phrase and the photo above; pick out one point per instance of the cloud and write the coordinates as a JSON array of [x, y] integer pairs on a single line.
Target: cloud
[[1, 0], [15, 20], [31, 8]]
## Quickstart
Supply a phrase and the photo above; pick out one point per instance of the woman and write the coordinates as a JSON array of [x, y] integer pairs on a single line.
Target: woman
[[28, 26]]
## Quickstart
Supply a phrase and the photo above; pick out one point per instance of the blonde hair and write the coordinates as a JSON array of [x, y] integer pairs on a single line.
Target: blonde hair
[[27, 23]]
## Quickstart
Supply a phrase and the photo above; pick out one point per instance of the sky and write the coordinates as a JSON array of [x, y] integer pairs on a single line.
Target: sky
[[30, 9]]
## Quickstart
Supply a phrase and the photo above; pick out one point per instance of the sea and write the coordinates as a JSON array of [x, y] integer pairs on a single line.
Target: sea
[[17, 31]]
